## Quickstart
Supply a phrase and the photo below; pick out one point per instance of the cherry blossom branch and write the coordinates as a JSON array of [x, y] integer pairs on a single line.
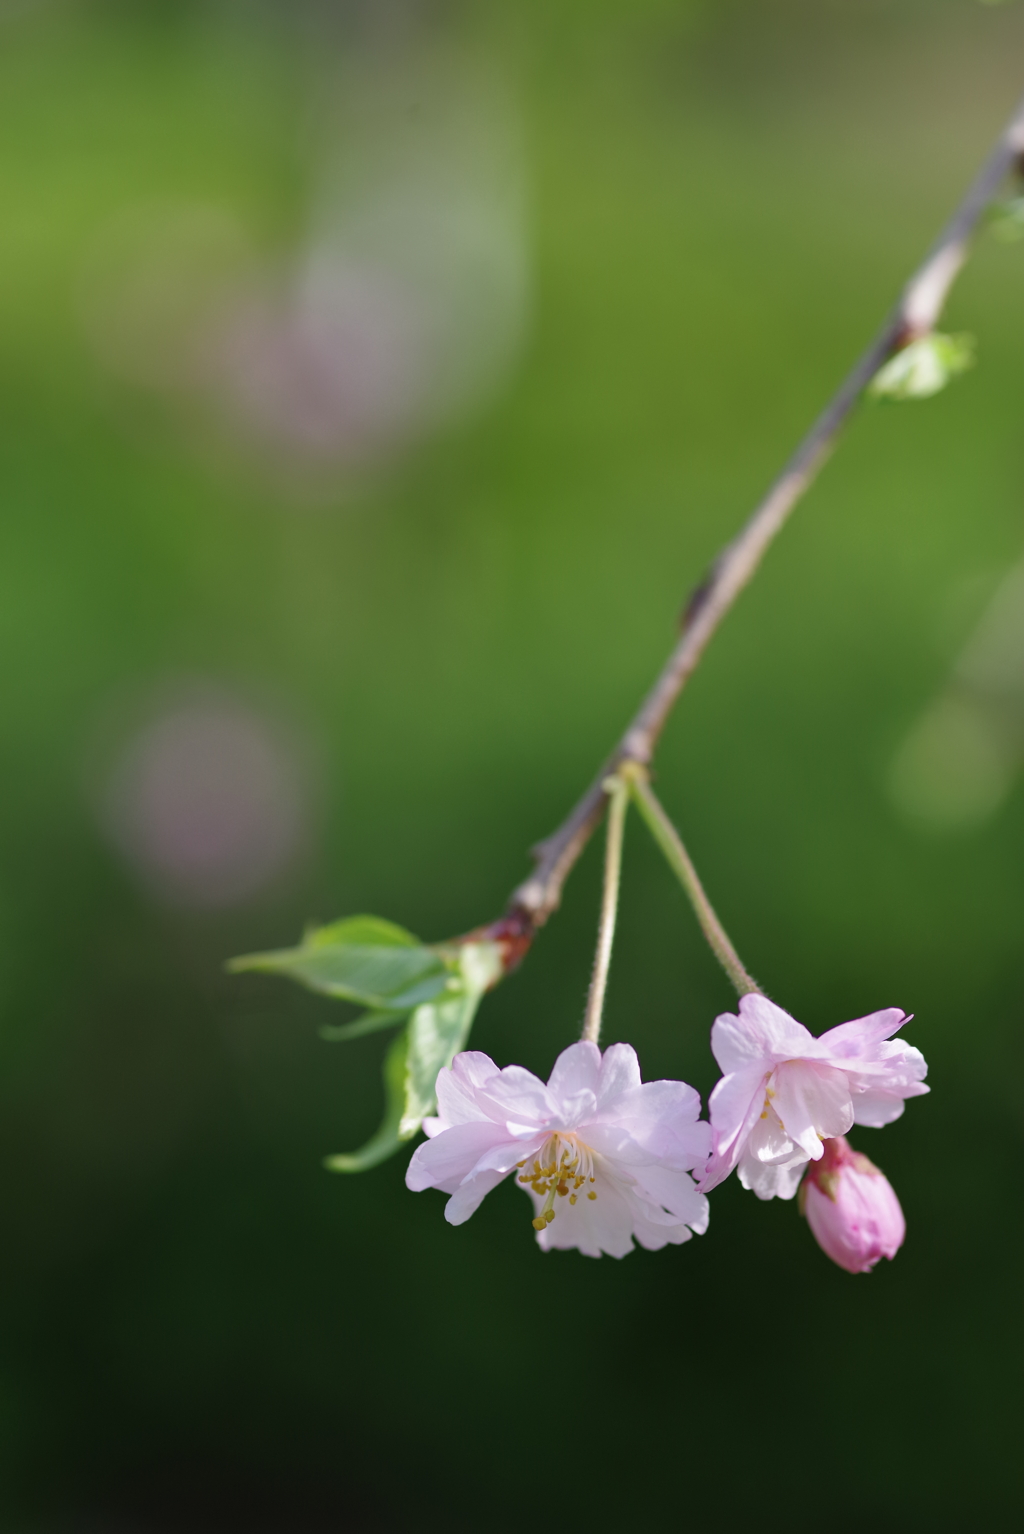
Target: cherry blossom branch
[[617, 791], [915, 316], [678, 859]]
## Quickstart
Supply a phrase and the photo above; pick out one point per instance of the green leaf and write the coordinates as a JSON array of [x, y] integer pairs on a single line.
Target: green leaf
[[362, 959], [1006, 220], [370, 1022], [388, 1138], [437, 1031], [440, 1029], [361, 932], [923, 368]]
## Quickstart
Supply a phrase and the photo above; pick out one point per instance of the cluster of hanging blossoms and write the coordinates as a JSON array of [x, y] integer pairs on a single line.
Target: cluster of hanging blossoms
[[607, 1159]]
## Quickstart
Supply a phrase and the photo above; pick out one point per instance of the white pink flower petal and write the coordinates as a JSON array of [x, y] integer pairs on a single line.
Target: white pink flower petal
[[854, 1215], [605, 1159], [783, 1092]]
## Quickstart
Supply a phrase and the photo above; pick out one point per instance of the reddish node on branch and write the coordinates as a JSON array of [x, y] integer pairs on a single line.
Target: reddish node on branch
[[513, 933], [905, 335]]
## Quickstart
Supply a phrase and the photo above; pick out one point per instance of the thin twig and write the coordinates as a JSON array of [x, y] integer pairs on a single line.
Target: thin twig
[[678, 859], [915, 315], [618, 795]]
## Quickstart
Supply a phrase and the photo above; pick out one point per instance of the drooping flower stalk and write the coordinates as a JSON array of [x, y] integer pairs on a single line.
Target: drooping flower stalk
[[678, 859], [618, 793]]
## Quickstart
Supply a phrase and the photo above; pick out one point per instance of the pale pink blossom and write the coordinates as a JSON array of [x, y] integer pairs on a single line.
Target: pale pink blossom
[[783, 1092], [604, 1158], [854, 1215]]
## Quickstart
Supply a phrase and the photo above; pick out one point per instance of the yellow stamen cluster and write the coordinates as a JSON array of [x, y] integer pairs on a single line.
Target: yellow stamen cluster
[[559, 1171], [769, 1094]]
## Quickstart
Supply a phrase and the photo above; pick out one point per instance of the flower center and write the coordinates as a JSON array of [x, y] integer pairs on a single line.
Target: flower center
[[769, 1093], [559, 1170]]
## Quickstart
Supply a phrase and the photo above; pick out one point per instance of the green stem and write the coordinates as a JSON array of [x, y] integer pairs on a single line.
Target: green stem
[[670, 842], [618, 791]]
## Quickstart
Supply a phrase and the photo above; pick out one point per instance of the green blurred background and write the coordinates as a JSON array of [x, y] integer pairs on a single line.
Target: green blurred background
[[377, 379]]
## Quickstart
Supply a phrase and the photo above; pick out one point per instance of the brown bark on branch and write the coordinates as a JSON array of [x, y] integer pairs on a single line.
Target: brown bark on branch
[[915, 316]]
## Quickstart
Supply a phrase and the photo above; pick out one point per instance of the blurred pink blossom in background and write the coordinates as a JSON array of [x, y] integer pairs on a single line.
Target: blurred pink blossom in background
[[208, 799], [398, 308]]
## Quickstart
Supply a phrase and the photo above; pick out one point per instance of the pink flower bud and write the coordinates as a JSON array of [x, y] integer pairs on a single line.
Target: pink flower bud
[[854, 1215]]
